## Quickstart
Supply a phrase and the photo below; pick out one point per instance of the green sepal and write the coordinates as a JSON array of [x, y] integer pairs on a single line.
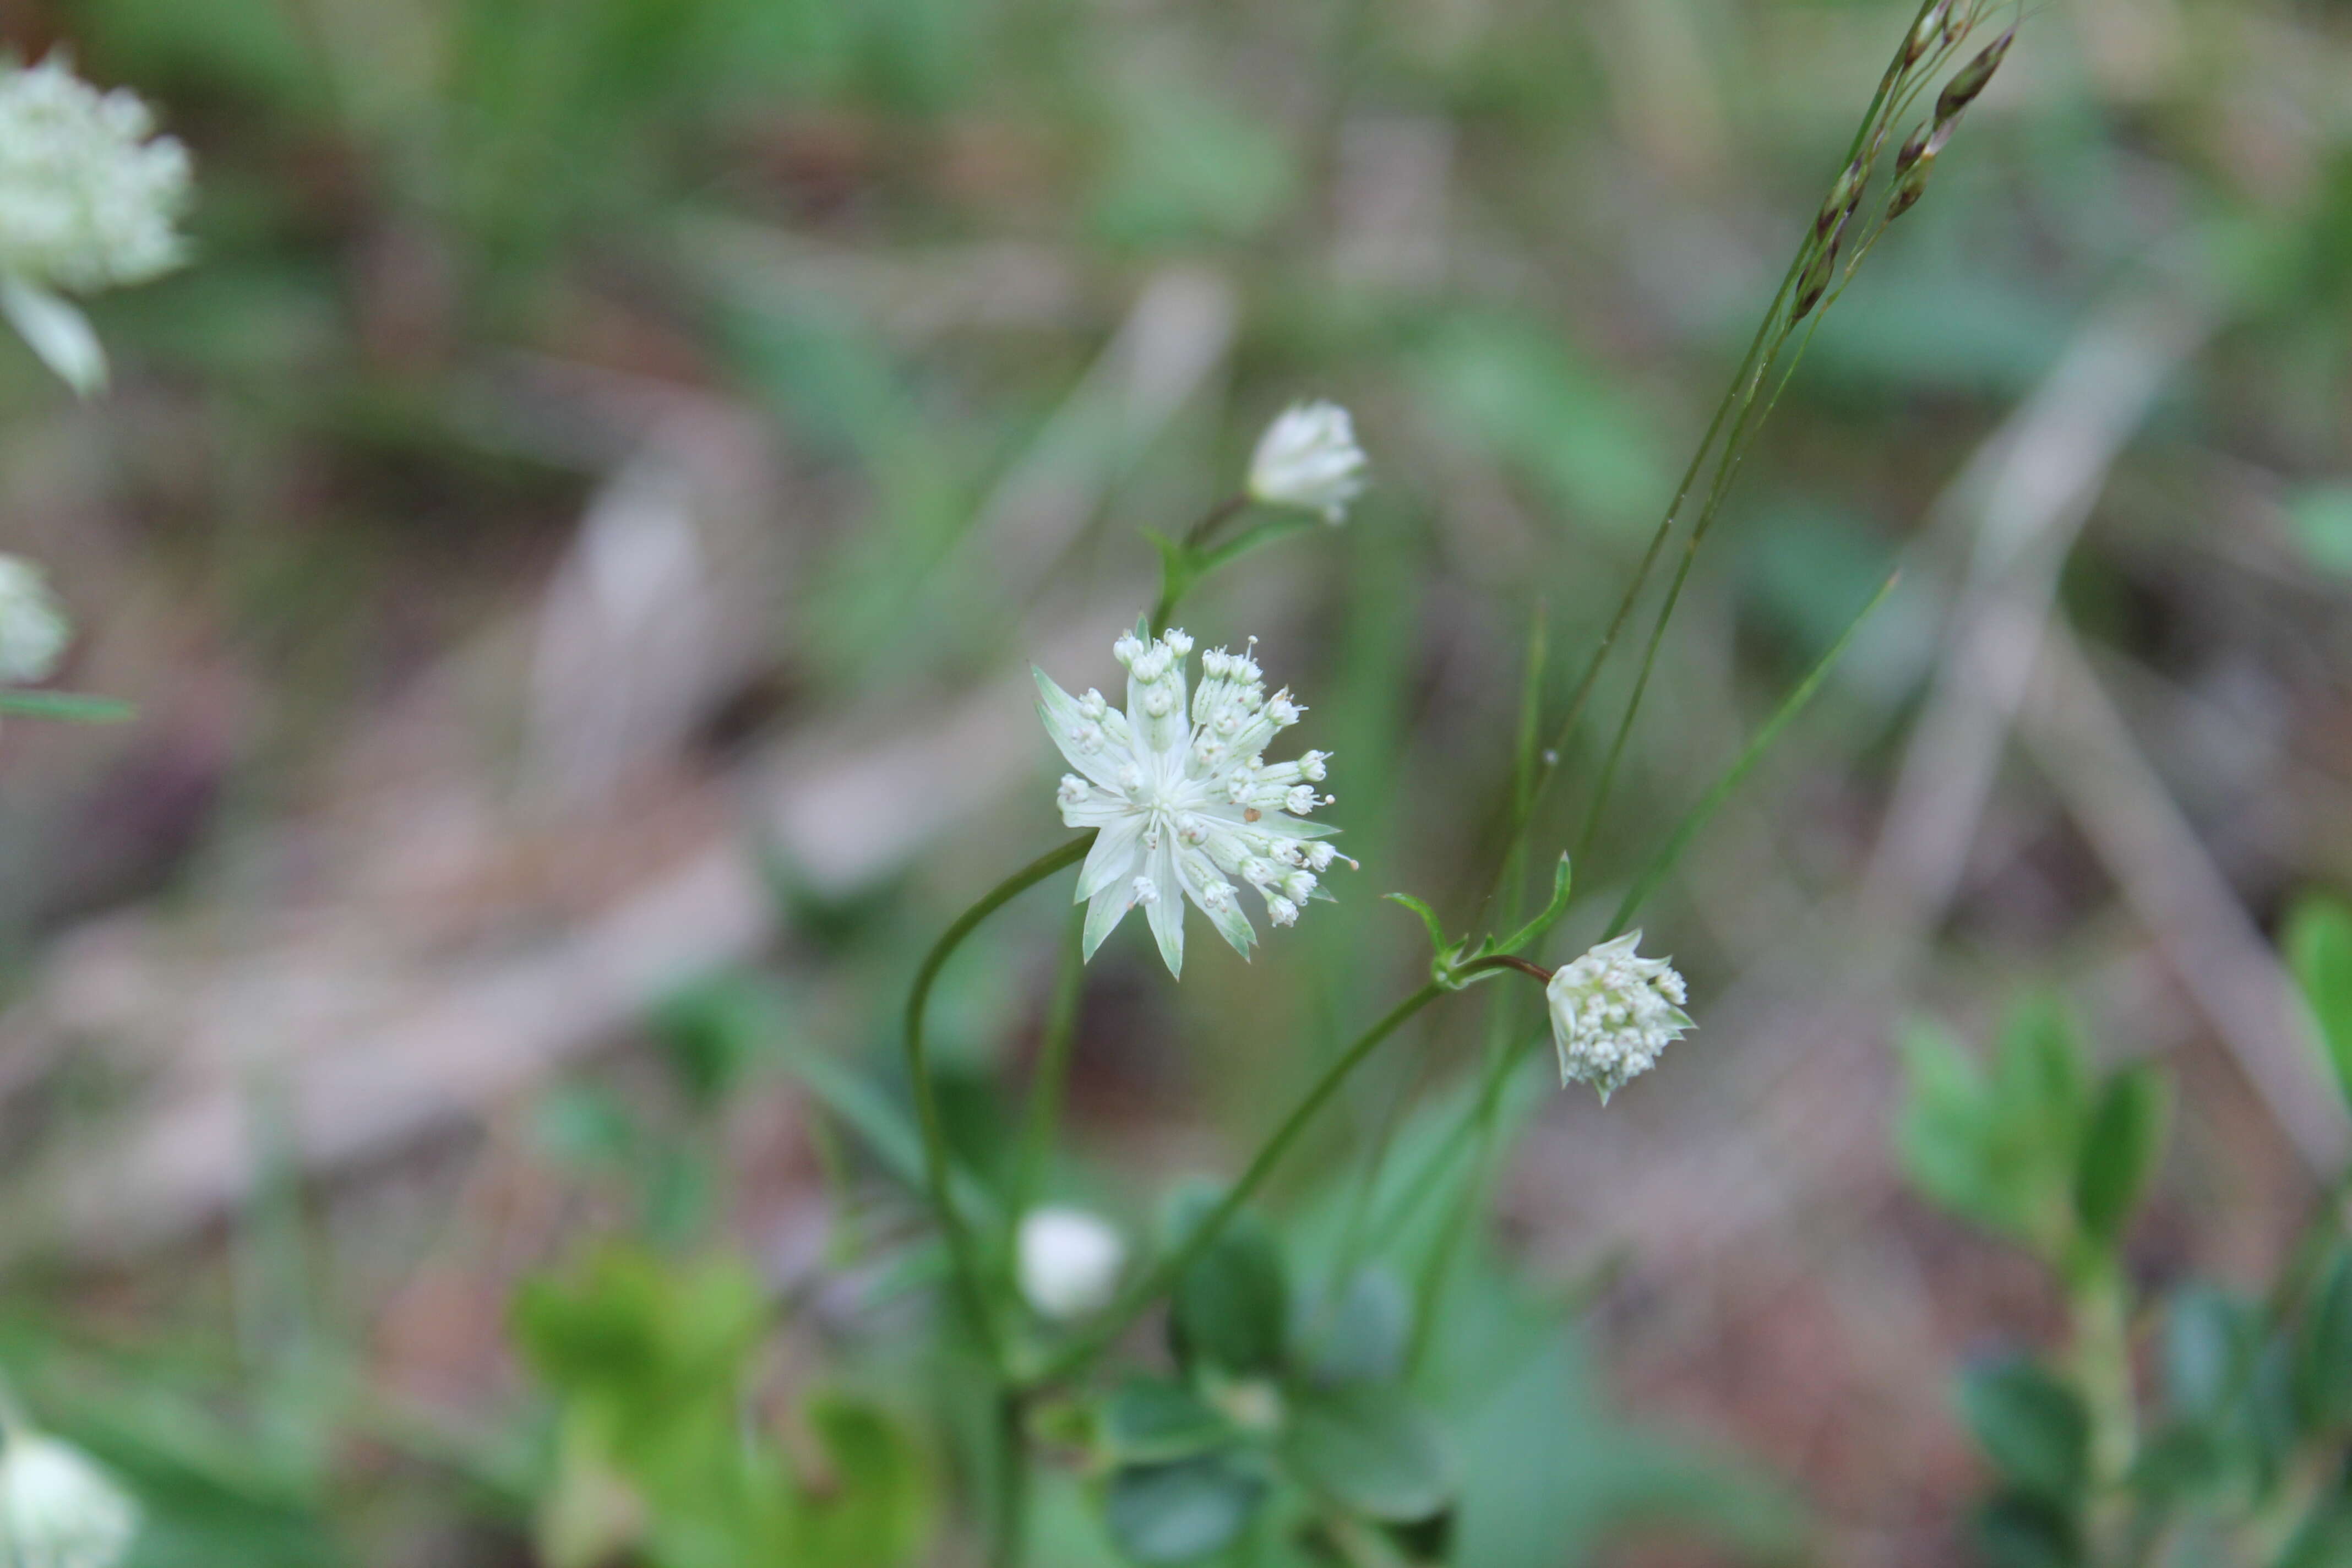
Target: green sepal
[[1561, 879]]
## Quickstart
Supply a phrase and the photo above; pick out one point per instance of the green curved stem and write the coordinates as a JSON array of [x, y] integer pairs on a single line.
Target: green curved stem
[[962, 1251], [1137, 1298]]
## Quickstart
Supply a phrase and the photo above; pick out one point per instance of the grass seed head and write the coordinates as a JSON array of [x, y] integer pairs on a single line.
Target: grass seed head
[[1844, 195], [1924, 34], [1972, 77]]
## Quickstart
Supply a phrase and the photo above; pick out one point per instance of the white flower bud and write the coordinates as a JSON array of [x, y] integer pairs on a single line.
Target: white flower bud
[[1308, 458], [57, 1509], [1068, 1261], [1613, 1013], [34, 629]]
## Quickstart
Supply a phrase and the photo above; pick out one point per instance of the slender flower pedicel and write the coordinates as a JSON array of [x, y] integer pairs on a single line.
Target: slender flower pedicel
[[1182, 804], [1613, 1013], [1308, 458], [34, 630]]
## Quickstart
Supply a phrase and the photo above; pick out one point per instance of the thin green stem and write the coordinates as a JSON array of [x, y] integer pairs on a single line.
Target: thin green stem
[[962, 1252], [1049, 1079], [1217, 516], [1156, 1283], [1162, 1277], [1762, 349], [1008, 1530]]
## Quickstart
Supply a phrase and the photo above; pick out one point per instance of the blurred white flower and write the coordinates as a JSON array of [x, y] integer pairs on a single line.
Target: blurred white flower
[[1183, 803], [89, 198], [1308, 458], [57, 1509], [1068, 1261], [1612, 1013], [34, 629]]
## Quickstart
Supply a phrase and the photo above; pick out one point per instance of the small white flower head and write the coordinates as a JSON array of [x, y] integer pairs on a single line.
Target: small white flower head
[[1613, 1013], [1308, 458], [34, 629], [1182, 797], [89, 196], [57, 1509], [1067, 1261]]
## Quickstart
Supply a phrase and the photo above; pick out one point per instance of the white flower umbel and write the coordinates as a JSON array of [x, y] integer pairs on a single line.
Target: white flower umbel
[[91, 198], [34, 629], [57, 1509], [1308, 458], [1612, 1013], [1183, 797], [1068, 1261]]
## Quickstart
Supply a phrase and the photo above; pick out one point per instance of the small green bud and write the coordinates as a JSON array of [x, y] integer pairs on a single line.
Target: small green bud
[[1963, 17], [1962, 89]]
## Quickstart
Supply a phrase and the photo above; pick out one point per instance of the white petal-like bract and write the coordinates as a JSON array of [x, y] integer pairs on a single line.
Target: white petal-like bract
[[34, 629]]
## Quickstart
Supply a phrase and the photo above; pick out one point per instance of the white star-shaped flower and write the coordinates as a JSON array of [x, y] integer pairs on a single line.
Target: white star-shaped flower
[[1183, 798]]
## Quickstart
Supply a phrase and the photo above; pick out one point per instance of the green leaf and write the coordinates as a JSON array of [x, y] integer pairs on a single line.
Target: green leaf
[[1437, 939], [2210, 1340], [2322, 518], [1180, 1512], [1150, 1420], [1364, 1339], [2041, 1081], [2032, 1427], [1231, 1309], [2120, 1151], [2177, 1463], [877, 1501], [1370, 1449], [67, 707], [2020, 1530], [2319, 950], [2323, 1346], [1943, 1132], [2324, 1538], [1561, 881]]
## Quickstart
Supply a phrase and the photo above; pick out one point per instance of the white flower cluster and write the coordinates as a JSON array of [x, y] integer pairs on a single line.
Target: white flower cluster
[[86, 200], [57, 1509], [89, 198], [1183, 797], [34, 630], [1308, 458], [1068, 1261], [1613, 1013]]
